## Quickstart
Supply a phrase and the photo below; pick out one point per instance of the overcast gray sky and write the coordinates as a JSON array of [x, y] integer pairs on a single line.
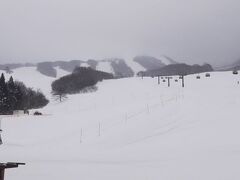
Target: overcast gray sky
[[193, 31]]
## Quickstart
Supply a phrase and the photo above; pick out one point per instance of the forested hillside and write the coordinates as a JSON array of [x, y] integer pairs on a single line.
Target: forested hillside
[[81, 78], [14, 95]]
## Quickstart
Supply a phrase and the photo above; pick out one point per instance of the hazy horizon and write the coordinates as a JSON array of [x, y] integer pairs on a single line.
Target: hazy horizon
[[189, 31]]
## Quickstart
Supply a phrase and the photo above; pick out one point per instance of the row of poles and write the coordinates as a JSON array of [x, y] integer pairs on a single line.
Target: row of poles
[[148, 108], [127, 116], [99, 125], [169, 78]]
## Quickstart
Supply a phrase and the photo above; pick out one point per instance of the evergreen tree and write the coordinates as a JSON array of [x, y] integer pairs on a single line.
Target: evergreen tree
[[20, 91], [15, 95], [4, 96], [11, 93]]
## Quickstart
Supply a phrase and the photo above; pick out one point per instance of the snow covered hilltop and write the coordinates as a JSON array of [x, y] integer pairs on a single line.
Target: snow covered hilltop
[[117, 66], [130, 128], [120, 68]]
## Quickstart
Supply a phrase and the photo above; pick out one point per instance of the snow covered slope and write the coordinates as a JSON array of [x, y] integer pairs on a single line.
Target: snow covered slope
[[34, 79], [117, 66], [136, 67], [61, 72], [167, 60], [84, 65], [105, 66], [151, 63], [132, 129]]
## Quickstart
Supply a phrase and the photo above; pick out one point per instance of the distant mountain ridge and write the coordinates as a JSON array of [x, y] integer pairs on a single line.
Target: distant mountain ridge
[[179, 69], [117, 66], [150, 63]]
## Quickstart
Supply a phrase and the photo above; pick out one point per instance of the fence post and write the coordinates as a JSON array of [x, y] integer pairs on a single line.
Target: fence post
[[81, 133], [99, 129], [183, 85]]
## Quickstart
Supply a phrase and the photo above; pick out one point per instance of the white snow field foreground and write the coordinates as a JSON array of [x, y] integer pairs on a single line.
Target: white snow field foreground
[[132, 129]]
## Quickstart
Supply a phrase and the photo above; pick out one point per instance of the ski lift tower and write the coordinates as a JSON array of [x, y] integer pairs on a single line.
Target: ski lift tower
[[4, 166]]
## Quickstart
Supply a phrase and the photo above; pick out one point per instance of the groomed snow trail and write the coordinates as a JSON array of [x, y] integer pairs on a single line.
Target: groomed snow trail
[[132, 129]]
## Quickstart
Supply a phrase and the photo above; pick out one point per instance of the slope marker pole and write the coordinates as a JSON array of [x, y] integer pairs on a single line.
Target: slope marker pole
[[81, 134], [99, 129], [158, 79]]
